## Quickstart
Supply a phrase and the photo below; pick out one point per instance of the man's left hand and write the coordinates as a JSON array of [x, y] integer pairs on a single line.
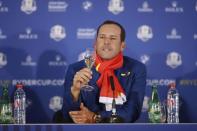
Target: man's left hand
[[82, 116]]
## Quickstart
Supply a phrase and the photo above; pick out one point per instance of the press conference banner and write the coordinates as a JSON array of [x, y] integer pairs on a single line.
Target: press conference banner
[[39, 38]]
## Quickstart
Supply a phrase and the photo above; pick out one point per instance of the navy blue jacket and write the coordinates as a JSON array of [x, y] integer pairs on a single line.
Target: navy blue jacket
[[132, 77]]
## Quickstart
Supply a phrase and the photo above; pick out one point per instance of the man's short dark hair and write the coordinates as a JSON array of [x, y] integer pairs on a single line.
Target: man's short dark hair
[[122, 34]]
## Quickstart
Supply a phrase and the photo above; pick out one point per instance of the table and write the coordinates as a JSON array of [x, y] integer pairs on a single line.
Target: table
[[100, 127]]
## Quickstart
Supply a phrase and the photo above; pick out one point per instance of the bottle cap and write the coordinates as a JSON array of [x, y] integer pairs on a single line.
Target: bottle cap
[[19, 85], [172, 85]]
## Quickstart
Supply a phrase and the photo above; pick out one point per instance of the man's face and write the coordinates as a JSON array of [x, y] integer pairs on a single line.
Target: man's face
[[108, 42]]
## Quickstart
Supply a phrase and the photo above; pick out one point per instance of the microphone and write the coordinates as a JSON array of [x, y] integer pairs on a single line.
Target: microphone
[[114, 117], [111, 79]]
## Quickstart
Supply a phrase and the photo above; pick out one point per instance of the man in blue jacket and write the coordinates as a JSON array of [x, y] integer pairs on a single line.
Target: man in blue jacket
[[129, 78]]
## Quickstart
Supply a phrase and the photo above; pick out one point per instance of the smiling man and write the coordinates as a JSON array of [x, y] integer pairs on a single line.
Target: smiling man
[[129, 78]]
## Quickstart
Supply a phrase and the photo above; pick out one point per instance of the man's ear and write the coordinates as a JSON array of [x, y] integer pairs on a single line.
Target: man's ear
[[123, 45], [95, 45]]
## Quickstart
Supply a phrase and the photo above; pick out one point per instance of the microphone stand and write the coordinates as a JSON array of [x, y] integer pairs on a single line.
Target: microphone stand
[[114, 117]]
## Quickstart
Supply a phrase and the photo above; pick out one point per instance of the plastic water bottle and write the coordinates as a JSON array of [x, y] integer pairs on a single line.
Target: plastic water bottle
[[19, 105], [173, 104]]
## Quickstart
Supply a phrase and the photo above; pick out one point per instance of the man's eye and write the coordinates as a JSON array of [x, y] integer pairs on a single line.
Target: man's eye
[[113, 38], [101, 37]]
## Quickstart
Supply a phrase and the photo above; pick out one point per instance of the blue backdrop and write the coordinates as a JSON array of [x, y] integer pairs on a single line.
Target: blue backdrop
[[39, 38]]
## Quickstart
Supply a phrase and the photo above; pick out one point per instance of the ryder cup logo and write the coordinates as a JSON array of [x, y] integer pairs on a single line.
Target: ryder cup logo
[[116, 6], [3, 60], [56, 103], [173, 60], [28, 6], [196, 6], [81, 56], [57, 33], [195, 36], [87, 5], [144, 33]]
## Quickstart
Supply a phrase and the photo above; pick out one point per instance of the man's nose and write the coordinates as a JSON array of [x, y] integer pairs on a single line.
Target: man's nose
[[106, 40]]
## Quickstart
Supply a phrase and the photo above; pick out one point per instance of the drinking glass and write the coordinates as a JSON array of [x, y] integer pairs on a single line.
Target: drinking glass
[[89, 58]]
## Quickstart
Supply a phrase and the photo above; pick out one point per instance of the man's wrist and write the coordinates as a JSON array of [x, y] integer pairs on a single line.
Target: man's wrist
[[74, 89], [75, 93], [96, 118]]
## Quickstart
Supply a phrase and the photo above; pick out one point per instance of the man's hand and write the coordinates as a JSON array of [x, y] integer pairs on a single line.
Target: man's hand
[[81, 77], [82, 116]]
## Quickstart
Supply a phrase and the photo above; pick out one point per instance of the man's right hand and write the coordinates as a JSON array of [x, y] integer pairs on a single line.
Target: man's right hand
[[81, 78]]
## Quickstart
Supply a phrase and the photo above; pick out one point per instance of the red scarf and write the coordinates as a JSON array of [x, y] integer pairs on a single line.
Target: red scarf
[[106, 69]]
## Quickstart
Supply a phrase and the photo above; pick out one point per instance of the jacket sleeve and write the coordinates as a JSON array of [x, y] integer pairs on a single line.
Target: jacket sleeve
[[68, 103], [130, 111]]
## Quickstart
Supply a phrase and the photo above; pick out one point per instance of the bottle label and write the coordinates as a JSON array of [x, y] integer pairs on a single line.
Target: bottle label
[[171, 102], [155, 113], [17, 103]]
